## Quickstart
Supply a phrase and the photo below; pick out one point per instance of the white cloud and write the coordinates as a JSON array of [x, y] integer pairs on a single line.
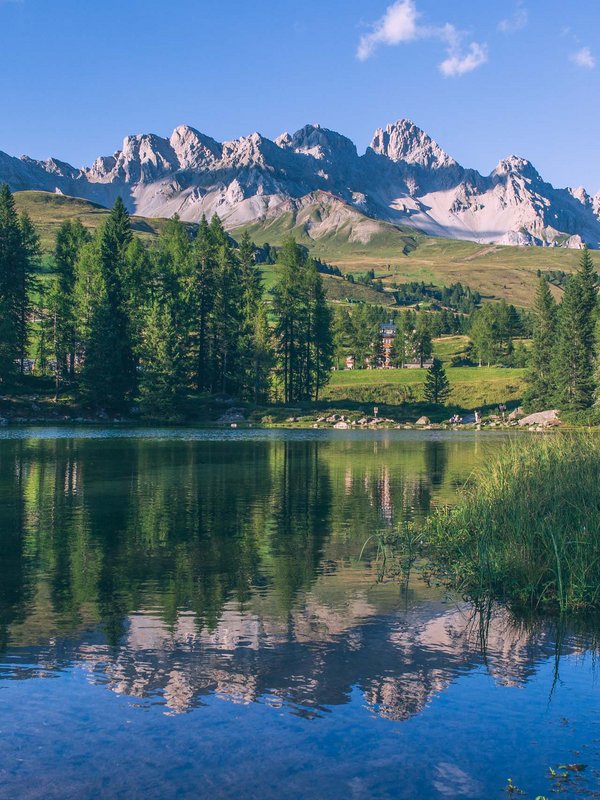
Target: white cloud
[[514, 23], [583, 58], [459, 63], [399, 24]]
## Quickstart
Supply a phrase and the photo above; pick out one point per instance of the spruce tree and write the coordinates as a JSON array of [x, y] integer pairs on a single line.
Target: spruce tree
[[251, 292], [573, 357], [289, 308], [27, 283], [226, 322], [200, 290], [319, 345], [540, 375], [437, 387], [484, 335], [12, 255], [163, 375], [589, 280], [421, 338], [70, 239], [19, 255], [262, 356], [109, 369]]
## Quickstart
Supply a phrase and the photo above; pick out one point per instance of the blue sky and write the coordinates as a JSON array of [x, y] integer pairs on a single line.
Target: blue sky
[[484, 79]]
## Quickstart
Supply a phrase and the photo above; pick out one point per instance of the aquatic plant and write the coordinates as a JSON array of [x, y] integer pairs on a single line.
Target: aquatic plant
[[527, 527]]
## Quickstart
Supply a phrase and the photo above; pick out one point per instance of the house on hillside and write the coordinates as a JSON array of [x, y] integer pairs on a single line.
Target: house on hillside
[[387, 334]]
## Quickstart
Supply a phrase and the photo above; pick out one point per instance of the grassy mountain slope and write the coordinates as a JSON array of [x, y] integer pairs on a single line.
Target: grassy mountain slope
[[341, 235], [48, 211], [358, 243]]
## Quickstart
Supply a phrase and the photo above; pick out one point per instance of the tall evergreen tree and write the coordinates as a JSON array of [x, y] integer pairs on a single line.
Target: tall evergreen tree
[[289, 308], [262, 356], [201, 284], [319, 345], [226, 322], [11, 265], [437, 386], [109, 368], [573, 357], [421, 338], [484, 335], [540, 376], [19, 253], [70, 239], [163, 375], [589, 281], [27, 283]]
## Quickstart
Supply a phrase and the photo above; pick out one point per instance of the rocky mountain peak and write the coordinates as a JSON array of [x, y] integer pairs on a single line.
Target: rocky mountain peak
[[320, 143], [193, 149], [403, 141], [404, 178], [516, 166]]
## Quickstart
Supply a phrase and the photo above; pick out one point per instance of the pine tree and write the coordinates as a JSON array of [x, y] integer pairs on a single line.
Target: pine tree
[[589, 281], [437, 387], [484, 335], [262, 356], [70, 239], [573, 357], [319, 345], [19, 254], [341, 326], [289, 310], [421, 338], [201, 284], [251, 292], [11, 264], [109, 369], [162, 364], [8, 343], [27, 283], [540, 375], [225, 323]]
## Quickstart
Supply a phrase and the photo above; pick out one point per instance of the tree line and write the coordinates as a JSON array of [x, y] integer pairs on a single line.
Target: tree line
[[127, 322], [564, 367]]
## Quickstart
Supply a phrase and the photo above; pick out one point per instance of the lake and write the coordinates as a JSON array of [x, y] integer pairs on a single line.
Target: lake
[[191, 614]]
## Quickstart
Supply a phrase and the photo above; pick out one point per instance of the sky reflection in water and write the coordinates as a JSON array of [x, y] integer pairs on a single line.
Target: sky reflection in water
[[184, 614]]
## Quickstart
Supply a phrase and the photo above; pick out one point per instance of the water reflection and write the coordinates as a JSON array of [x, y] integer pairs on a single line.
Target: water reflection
[[94, 528], [184, 574], [182, 569]]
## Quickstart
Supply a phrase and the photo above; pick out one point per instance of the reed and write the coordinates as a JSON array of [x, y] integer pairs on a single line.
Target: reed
[[526, 530]]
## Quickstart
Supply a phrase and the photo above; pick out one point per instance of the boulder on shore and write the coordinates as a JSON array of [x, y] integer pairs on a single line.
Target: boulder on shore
[[515, 415], [423, 421], [543, 418]]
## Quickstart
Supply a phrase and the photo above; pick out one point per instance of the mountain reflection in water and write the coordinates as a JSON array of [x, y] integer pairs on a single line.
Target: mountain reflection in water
[[180, 572]]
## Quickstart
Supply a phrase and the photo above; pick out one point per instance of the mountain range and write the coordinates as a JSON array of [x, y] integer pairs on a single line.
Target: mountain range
[[404, 178]]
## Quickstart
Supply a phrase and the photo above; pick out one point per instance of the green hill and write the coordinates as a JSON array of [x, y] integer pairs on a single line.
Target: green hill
[[342, 236], [48, 211], [356, 243]]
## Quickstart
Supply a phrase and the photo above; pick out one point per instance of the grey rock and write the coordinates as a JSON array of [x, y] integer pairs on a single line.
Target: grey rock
[[543, 418], [403, 178]]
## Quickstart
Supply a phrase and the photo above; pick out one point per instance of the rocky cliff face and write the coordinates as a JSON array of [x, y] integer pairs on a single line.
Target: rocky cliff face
[[404, 177]]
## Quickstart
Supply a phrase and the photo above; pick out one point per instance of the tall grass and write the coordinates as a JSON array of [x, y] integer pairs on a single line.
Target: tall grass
[[527, 528]]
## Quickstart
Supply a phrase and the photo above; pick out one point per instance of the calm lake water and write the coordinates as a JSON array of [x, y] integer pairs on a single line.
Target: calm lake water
[[186, 614]]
